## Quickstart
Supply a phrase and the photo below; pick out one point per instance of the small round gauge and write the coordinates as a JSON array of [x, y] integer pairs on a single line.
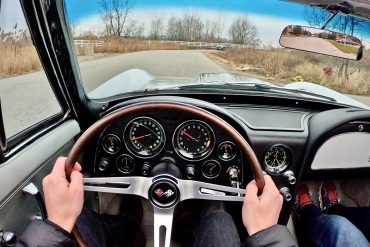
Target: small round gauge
[[193, 140], [277, 158], [144, 137], [111, 144], [226, 150], [125, 164], [211, 169]]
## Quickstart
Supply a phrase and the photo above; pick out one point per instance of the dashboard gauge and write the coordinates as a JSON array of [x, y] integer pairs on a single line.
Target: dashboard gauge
[[111, 144], [144, 137], [125, 164], [277, 158], [211, 169], [226, 150], [193, 140]]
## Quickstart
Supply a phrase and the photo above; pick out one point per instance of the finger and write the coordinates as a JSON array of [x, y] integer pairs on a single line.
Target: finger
[[59, 167], [76, 181], [270, 187], [77, 167], [251, 191]]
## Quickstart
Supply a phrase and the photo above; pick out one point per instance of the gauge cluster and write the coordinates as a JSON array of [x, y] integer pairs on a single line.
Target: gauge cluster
[[132, 147]]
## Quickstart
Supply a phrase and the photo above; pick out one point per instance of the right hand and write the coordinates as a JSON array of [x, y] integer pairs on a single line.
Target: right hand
[[261, 212], [63, 200]]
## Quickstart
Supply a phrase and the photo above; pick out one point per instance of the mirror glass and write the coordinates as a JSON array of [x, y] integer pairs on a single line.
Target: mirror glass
[[321, 41]]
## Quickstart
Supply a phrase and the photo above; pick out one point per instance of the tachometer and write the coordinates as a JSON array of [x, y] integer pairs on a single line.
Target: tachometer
[[193, 140], [144, 137]]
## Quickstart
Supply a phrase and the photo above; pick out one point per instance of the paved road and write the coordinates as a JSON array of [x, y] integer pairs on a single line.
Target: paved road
[[26, 99], [314, 44]]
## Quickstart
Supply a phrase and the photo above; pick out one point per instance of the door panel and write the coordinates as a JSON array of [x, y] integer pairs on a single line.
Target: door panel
[[31, 165]]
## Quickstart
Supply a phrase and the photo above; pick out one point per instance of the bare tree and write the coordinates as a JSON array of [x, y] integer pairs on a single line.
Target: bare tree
[[115, 14], [134, 29], [157, 28], [175, 29], [243, 31], [192, 26]]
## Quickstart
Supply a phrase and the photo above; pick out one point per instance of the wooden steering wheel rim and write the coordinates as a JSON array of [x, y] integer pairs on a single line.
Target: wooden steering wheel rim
[[197, 112]]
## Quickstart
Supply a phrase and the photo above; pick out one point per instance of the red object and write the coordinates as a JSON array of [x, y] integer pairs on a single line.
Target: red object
[[188, 135], [159, 192]]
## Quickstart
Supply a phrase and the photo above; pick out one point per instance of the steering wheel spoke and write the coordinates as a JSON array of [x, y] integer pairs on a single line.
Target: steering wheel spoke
[[199, 190], [119, 185], [163, 218]]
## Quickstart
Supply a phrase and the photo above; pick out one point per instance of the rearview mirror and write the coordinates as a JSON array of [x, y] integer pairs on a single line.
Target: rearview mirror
[[322, 42]]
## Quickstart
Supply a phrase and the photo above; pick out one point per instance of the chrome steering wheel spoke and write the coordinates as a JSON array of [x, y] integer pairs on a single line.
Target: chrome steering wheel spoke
[[190, 189], [119, 185], [163, 218]]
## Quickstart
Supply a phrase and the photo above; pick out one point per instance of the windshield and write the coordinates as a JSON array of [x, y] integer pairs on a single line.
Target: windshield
[[126, 46]]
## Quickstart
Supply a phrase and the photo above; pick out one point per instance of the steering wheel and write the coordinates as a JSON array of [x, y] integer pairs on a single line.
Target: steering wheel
[[163, 190]]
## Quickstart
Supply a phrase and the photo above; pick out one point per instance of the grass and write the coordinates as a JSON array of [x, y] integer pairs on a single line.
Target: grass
[[18, 55], [283, 65], [344, 48], [122, 45]]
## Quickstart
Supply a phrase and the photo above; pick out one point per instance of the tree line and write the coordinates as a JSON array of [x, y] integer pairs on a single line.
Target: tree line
[[188, 27]]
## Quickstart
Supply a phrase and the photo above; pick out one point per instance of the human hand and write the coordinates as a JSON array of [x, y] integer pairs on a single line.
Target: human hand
[[261, 212], [63, 200]]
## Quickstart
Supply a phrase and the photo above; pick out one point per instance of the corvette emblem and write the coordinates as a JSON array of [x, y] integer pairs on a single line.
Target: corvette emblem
[[159, 192], [169, 193]]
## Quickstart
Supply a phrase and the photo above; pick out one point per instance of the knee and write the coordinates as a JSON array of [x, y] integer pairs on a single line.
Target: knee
[[339, 224], [218, 217]]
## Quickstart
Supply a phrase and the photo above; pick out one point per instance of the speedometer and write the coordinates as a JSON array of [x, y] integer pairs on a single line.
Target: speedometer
[[144, 137], [193, 140]]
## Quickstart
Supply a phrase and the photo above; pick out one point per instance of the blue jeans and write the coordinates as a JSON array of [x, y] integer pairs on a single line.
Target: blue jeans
[[98, 230], [333, 230]]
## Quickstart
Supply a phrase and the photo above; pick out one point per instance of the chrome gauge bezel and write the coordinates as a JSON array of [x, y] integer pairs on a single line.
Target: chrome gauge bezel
[[222, 143], [133, 152], [281, 167], [188, 158], [123, 172], [219, 167], [103, 145]]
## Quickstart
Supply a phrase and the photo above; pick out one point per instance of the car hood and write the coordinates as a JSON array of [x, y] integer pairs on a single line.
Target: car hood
[[137, 80]]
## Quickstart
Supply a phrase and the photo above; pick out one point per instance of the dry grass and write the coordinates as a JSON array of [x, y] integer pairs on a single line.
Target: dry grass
[[122, 45], [284, 65], [18, 54]]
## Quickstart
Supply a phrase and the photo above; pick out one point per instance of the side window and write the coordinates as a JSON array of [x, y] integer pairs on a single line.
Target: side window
[[25, 93]]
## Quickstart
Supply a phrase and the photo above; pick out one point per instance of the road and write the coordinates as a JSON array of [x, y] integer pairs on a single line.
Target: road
[[26, 99], [315, 45]]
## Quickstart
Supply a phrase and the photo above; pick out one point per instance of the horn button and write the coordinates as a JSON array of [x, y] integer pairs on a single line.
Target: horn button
[[164, 193]]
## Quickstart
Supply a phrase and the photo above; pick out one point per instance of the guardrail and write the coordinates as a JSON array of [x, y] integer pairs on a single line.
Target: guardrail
[[96, 43], [83, 42], [197, 44]]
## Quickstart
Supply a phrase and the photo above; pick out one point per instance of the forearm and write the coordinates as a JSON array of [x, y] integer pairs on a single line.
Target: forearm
[[277, 235], [45, 233]]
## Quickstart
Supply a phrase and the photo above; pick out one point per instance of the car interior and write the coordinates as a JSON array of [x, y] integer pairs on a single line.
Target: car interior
[[178, 151]]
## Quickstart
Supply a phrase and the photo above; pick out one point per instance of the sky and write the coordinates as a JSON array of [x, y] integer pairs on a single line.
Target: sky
[[270, 16]]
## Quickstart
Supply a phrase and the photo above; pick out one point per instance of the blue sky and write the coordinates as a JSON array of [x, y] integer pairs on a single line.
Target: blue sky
[[80, 9]]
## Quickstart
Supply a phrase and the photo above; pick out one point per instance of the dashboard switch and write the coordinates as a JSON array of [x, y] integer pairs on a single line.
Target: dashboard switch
[[145, 170], [233, 175], [103, 164], [190, 171], [284, 191], [289, 176]]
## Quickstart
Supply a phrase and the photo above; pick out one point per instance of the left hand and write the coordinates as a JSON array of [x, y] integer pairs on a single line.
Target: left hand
[[63, 200]]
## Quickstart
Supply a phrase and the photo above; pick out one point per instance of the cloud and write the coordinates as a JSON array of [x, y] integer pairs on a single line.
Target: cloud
[[269, 28]]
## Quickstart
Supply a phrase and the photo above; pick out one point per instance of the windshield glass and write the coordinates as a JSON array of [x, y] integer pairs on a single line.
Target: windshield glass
[[126, 46]]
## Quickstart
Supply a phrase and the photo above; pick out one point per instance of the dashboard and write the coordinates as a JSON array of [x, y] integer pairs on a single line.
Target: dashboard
[[135, 145], [291, 144]]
